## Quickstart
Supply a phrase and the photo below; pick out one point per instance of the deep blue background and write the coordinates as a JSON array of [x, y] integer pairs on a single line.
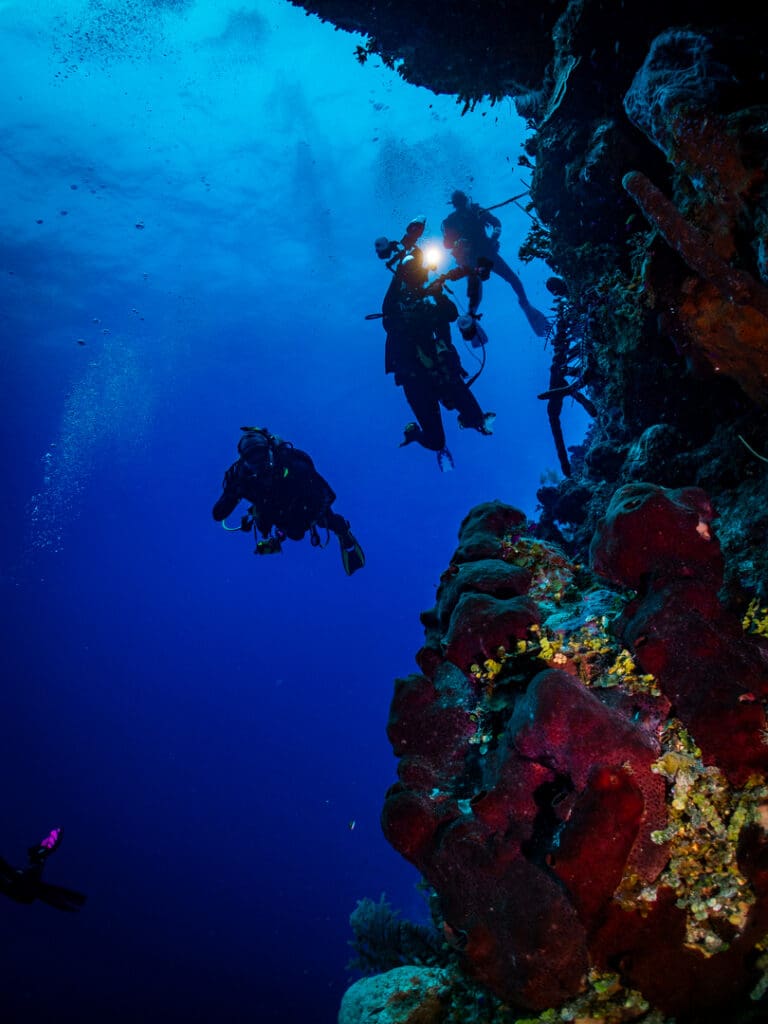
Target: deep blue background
[[206, 725]]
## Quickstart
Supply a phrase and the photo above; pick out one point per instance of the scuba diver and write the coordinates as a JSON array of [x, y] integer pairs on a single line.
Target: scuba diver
[[465, 233], [287, 496], [25, 885], [417, 317]]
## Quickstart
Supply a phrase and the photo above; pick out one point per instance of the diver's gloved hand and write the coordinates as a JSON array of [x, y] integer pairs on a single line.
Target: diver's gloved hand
[[352, 557]]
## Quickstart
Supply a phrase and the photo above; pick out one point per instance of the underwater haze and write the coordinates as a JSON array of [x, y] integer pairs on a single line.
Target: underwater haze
[[191, 191]]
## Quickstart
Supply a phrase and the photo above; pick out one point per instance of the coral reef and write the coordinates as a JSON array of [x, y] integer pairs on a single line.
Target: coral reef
[[649, 199], [403, 995], [383, 941], [660, 544], [452, 50], [675, 299], [582, 768], [582, 755]]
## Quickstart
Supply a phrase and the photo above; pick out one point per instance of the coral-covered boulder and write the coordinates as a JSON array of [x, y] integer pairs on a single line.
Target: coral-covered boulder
[[482, 530], [480, 624], [411, 819], [421, 724], [487, 576], [602, 826], [660, 542], [713, 675], [650, 531], [509, 810], [523, 936], [404, 995], [560, 723], [585, 799]]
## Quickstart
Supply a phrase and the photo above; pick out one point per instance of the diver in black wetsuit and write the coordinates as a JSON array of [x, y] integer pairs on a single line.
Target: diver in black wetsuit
[[465, 233], [417, 317], [287, 496], [25, 885]]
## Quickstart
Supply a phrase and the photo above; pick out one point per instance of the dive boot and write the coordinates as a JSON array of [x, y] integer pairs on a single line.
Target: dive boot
[[410, 434]]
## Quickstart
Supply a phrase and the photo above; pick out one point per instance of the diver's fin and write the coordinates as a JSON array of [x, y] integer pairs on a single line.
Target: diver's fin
[[487, 427], [537, 320], [445, 460], [59, 897], [352, 557]]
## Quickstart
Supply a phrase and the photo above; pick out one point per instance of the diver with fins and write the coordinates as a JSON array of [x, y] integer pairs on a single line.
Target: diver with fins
[[419, 352], [288, 498]]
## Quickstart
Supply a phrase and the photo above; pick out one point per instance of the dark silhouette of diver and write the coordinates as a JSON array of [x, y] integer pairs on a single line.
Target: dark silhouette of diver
[[417, 317], [287, 496], [465, 233], [25, 885]]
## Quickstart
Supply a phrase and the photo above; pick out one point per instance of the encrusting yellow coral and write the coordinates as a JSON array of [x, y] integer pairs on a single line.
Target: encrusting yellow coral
[[706, 816], [756, 619]]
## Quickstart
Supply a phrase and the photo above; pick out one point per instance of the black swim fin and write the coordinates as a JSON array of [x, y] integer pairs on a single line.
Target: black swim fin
[[540, 325], [59, 897], [352, 557]]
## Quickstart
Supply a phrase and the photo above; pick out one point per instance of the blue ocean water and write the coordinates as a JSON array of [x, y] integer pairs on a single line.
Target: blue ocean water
[[190, 197]]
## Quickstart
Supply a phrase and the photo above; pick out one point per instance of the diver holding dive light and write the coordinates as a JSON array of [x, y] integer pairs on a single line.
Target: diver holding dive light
[[417, 317]]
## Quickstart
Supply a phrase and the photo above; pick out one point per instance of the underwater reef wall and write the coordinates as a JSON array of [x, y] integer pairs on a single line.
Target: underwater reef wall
[[647, 162], [648, 175], [582, 757], [582, 767], [454, 48]]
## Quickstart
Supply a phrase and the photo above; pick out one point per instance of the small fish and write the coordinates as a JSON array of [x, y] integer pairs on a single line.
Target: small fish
[[81, 341], [351, 825]]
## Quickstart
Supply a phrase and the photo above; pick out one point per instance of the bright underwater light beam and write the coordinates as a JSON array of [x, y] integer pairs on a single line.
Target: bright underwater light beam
[[433, 255]]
